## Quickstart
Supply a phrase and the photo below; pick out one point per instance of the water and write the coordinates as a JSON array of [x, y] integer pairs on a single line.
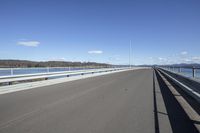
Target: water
[[21, 71], [188, 72]]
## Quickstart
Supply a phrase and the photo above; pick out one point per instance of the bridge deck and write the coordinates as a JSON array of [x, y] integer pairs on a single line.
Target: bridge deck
[[124, 102]]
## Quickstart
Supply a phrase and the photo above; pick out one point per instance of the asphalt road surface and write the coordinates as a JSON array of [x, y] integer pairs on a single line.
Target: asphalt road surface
[[115, 103]]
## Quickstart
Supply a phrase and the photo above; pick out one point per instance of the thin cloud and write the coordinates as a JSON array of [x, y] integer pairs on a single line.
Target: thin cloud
[[95, 52], [29, 43], [162, 59], [184, 53], [196, 59], [57, 59]]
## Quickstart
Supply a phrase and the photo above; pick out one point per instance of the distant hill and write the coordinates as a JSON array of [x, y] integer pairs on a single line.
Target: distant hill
[[185, 65], [175, 65], [26, 63]]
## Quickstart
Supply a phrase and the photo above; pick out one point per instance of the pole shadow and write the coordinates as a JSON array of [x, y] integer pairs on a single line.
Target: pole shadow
[[156, 122]]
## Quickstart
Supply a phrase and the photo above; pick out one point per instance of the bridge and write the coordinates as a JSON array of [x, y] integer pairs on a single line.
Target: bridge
[[125, 100]]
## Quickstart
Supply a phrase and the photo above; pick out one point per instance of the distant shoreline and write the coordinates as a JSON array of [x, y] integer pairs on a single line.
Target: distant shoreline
[[35, 64]]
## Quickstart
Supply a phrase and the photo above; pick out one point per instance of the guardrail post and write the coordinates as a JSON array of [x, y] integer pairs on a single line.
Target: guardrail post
[[11, 71], [47, 69], [179, 70], [193, 72]]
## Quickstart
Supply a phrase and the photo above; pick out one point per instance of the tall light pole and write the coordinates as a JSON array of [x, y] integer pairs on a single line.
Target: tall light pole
[[130, 52]]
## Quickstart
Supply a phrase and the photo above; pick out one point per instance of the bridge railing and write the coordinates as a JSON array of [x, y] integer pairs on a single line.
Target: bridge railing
[[23, 71], [51, 75], [188, 84], [193, 72]]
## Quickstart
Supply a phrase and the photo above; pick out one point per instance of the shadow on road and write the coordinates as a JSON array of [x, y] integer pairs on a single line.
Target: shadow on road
[[180, 122], [156, 122]]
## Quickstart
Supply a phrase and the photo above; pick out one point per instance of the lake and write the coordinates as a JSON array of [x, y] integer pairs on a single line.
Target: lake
[[21, 71], [187, 72]]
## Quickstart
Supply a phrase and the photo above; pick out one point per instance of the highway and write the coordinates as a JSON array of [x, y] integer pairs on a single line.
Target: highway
[[123, 102]]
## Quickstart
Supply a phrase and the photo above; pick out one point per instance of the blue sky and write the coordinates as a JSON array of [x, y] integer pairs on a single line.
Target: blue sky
[[161, 31]]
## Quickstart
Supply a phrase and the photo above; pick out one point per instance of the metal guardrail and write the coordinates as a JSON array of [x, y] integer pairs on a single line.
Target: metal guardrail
[[18, 71], [27, 77], [187, 107], [189, 85], [193, 70], [39, 74]]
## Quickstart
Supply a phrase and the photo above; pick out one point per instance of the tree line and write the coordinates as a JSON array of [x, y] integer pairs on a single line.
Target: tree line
[[26, 63]]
